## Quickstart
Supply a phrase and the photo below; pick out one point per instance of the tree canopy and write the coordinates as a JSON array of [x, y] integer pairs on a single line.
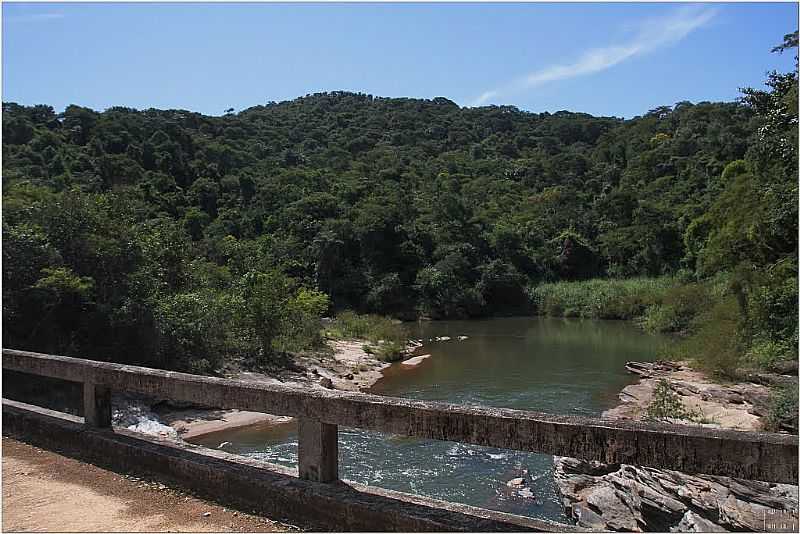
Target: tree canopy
[[164, 236]]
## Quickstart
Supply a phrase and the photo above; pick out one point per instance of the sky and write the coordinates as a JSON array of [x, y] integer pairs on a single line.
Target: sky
[[605, 59]]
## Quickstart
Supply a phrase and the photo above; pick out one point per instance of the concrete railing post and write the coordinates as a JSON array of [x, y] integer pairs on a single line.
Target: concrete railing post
[[318, 450], [96, 405]]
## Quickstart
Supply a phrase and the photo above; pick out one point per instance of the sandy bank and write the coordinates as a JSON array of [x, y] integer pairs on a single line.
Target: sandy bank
[[193, 423], [346, 367]]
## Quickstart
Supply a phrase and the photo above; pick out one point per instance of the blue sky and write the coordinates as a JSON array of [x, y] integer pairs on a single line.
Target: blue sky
[[604, 59]]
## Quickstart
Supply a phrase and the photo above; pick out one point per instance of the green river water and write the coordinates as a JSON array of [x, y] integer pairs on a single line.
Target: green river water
[[563, 366]]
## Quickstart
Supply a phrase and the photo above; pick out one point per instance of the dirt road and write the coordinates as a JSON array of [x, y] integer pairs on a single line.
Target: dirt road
[[44, 491]]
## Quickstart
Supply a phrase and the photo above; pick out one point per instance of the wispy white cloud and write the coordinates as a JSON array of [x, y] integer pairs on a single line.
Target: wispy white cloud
[[35, 17], [652, 34]]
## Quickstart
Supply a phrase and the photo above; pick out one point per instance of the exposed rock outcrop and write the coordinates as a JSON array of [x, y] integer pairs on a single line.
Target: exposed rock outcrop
[[631, 498]]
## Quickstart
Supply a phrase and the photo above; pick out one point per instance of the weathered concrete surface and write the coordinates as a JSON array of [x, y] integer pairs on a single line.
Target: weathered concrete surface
[[270, 489], [96, 405], [750, 455], [317, 451]]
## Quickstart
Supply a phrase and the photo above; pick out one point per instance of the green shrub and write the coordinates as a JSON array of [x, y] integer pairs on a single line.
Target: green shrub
[[627, 306], [390, 351], [677, 308], [765, 353], [667, 404], [189, 332], [716, 344], [301, 324], [387, 337], [769, 298], [658, 318], [271, 315], [552, 307], [783, 409], [373, 328], [686, 302], [444, 294]]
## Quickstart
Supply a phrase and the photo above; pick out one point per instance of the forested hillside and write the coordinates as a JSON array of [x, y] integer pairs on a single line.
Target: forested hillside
[[172, 238]]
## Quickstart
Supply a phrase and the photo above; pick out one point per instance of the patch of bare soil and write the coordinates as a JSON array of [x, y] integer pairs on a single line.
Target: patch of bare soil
[[47, 492]]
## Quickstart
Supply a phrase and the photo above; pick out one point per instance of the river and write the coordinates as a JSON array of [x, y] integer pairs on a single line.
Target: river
[[558, 366]]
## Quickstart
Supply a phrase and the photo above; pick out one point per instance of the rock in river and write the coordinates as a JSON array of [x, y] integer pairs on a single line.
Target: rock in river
[[516, 482], [416, 360]]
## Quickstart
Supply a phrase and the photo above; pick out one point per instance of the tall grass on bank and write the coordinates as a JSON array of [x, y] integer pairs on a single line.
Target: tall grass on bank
[[601, 298], [666, 304], [705, 314], [386, 337]]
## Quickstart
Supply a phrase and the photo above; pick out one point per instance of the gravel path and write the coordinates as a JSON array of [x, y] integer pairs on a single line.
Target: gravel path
[[44, 491]]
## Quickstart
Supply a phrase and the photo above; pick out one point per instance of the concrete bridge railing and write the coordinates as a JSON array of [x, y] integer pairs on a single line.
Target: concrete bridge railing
[[760, 456]]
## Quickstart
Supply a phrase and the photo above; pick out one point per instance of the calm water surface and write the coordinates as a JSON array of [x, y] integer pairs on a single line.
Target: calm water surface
[[550, 365]]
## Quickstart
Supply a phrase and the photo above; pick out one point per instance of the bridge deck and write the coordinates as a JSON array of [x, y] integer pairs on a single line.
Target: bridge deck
[[46, 491]]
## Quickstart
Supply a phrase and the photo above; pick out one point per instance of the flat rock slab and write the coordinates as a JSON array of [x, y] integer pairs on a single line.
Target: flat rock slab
[[416, 360]]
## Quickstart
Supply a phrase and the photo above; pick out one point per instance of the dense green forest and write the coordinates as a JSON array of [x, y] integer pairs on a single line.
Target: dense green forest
[[174, 239]]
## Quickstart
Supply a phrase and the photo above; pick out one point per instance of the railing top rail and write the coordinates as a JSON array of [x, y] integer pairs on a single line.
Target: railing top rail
[[689, 448]]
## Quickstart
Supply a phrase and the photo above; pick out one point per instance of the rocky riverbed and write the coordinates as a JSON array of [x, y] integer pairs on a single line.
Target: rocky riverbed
[[631, 498]]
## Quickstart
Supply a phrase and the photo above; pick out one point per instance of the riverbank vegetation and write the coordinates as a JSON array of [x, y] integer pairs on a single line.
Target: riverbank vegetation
[[627, 299], [386, 338], [735, 299], [174, 239], [666, 406]]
